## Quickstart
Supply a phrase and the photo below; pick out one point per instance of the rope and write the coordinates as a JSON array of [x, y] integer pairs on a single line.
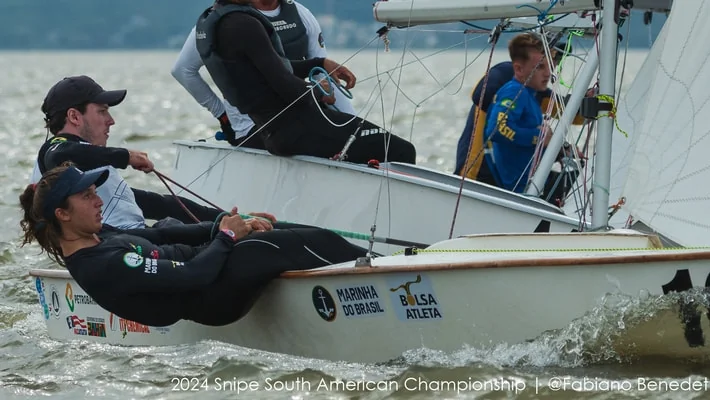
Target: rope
[[347, 234], [467, 167], [182, 205], [543, 15], [566, 54], [332, 82], [611, 114], [310, 90], [550, 18], [332, 85], [573, 250], [164, 177]]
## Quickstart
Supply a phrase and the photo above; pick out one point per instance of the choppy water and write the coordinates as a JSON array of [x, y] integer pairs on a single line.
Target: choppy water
[[157, 111]]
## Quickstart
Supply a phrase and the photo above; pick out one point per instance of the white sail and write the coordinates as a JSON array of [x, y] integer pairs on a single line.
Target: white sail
[[668, 112], [629, 102]]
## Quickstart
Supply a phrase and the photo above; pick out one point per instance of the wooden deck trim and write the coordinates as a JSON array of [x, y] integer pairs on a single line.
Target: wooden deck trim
[[517, 263]]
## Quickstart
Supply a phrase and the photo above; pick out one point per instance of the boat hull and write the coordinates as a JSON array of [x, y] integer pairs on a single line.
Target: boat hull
[[440, 299], [405, 202]]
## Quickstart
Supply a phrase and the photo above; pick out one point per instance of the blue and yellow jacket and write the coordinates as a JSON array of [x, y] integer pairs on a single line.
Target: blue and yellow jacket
[[498, 75], [511, 133]]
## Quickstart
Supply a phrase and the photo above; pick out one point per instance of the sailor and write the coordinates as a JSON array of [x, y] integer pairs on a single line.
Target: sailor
[[514, 122], [77, 114], [209, 273], [244, 55], [470, 163], [302, 39]]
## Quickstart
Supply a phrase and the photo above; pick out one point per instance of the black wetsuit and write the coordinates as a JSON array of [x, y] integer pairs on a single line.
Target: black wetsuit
[[269, 87], [144, 275], [67, 147]]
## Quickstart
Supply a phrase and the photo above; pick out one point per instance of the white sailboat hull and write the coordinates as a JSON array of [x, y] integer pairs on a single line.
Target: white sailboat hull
[[410, 202], [501, 289]]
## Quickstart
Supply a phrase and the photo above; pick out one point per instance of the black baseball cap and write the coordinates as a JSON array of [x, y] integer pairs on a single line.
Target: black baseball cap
[[75, 90], [71, 181]]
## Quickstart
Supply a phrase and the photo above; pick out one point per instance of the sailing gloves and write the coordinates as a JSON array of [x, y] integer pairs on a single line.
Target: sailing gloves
[[227, 130]]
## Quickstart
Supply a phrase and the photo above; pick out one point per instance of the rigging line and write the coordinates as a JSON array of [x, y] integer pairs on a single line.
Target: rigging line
[[580, 192], [552, 21], [463, 77], [347, 234], [399, 79], [388, 138], [587, 182], [390, 79], [588, 123], [556, 104], [417, 104], [452, 79], [411, 126], [411, 100], [438, 30], [423, 58], [626, 51], [465, 170], [556, 98], [386, 172], [182, 205], [577, 185], [588, 175], [546, 116], [480, 153], [364, 117], [495, 131], [567, 54], [299, 98], [372, 92]]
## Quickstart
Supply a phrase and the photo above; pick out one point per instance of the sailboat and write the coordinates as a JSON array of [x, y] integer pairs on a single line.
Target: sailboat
[[360, 197], [484, 290]]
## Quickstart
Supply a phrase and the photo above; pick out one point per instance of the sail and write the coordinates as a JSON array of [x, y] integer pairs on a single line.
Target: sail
[[668, 113], [630, 101]]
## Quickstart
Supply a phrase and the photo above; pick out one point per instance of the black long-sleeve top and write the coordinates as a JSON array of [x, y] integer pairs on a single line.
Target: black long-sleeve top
[[151, 275], [67, 147], [241, 38]]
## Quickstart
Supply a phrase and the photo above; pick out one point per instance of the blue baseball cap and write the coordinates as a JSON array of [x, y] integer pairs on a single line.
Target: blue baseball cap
[[71, 181]]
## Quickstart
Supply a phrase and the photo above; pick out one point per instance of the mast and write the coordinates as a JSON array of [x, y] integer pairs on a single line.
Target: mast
[[537, 183], [607, 82]]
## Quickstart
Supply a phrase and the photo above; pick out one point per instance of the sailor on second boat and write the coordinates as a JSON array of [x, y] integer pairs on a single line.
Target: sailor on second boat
[[245, 57], [302, 39]]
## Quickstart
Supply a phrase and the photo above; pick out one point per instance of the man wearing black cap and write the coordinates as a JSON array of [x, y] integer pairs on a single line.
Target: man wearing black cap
[[76, 112]]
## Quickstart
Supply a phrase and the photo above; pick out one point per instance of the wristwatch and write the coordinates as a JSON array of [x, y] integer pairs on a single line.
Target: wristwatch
[[230, 233]]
